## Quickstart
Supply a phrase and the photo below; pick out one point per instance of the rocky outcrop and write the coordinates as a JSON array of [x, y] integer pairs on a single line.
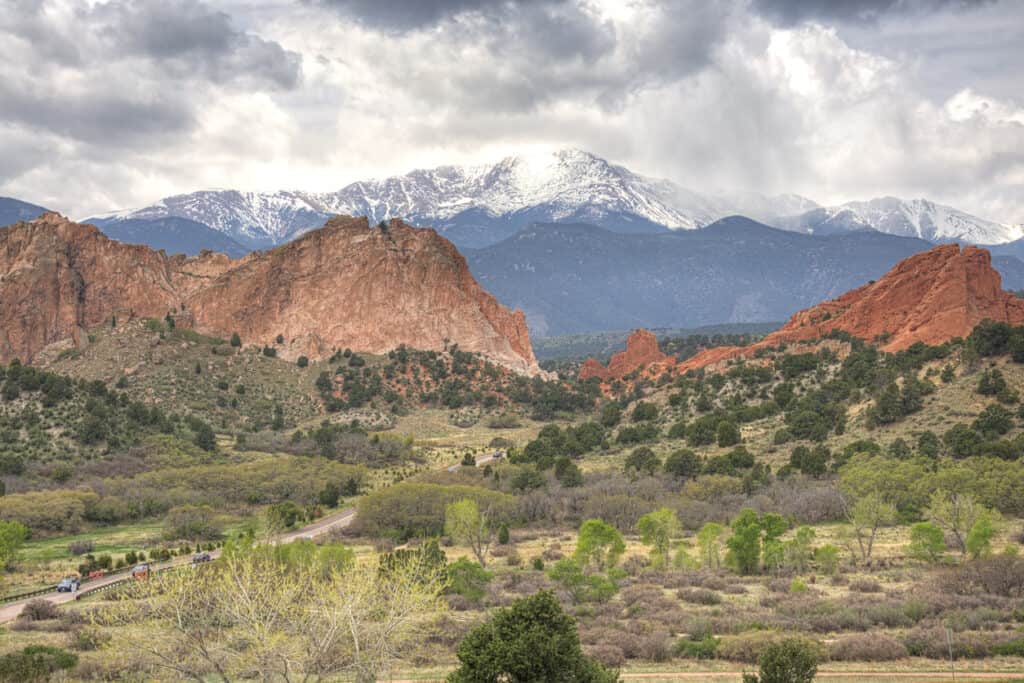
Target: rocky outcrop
[[641, 352], [346, 285], [930, 297], [369, 289], [59, 278]]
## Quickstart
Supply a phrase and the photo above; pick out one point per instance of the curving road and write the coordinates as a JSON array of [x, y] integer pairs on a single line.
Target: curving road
[[342, 518]]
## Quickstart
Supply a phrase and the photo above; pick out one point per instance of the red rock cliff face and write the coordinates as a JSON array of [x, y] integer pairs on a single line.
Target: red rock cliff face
[[641, 351], [930, 297], [58, 278], [345, 285]]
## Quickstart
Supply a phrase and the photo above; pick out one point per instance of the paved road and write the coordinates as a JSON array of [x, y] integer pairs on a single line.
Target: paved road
[[481, 461], [342, 518]]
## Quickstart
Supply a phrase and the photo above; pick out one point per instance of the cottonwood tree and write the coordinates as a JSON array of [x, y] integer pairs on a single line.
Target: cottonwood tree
[[599, 545], [467, 525], [12, 536], [657, 529], [749, 533], [927, 542], [866, 516], [956, 514], [259, 613], [709, 539]]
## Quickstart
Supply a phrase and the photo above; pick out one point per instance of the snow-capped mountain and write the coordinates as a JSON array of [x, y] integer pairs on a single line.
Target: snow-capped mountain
[[563, 181], [908, 218], [475, 205], [256, 219]]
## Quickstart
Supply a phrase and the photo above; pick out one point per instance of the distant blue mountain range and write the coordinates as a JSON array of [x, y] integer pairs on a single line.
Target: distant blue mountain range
[[14, 210]]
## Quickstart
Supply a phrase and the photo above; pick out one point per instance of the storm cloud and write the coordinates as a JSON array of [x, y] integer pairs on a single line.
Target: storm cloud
[[400, 15], [795, 11], [116, 104]]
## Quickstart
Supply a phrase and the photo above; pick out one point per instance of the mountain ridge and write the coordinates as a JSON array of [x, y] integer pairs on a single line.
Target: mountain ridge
[[919, 218], [573, 278], [478, 205], [568, 184], [13, 210]]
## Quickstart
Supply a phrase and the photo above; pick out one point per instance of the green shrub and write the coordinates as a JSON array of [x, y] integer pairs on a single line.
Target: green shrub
[[468, 579], [36, 663], [1011, 648], [705, 648], [793, 660], [532, 640]]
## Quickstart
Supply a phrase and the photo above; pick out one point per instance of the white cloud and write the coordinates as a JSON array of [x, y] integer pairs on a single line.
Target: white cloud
[[708, 93]]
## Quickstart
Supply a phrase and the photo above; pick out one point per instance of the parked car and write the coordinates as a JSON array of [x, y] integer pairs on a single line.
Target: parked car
[[140, 571], [201, 557], [69, 585]]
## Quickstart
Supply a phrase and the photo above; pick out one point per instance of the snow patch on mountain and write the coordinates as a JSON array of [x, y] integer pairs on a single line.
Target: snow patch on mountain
[[908, 218]]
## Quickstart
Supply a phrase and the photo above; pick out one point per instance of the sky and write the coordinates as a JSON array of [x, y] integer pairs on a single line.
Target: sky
[[111, 105]]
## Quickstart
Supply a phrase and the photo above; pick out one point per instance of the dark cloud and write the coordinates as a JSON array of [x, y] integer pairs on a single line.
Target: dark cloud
[[108, 118], [795, 11], [543, 55], [405, 15], [128, 73], [192, 38]]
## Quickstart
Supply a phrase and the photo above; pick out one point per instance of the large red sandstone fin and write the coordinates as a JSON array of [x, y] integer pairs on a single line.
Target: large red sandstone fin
[[346, 285]]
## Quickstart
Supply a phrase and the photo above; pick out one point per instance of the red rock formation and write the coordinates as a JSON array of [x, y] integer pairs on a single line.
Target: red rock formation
[[930, 297], [345, 285], [58, 278], [641, 351], [592, 368]]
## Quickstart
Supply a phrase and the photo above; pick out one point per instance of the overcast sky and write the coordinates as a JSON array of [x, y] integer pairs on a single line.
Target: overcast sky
[[107, 105]]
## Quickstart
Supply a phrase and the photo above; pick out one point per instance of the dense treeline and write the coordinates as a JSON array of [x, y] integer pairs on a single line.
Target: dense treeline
[[225, 487], [450, 379], [417, 510]]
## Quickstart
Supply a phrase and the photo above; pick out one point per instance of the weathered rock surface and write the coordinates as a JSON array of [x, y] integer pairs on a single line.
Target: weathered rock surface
[[930, 297], [641, 352], [346, 285]]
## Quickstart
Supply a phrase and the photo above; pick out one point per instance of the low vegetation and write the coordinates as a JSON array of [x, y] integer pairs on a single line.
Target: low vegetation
[[811, 508]]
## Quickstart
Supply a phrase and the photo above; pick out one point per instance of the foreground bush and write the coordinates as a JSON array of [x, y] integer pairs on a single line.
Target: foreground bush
[[792, 660], [533, 640]]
